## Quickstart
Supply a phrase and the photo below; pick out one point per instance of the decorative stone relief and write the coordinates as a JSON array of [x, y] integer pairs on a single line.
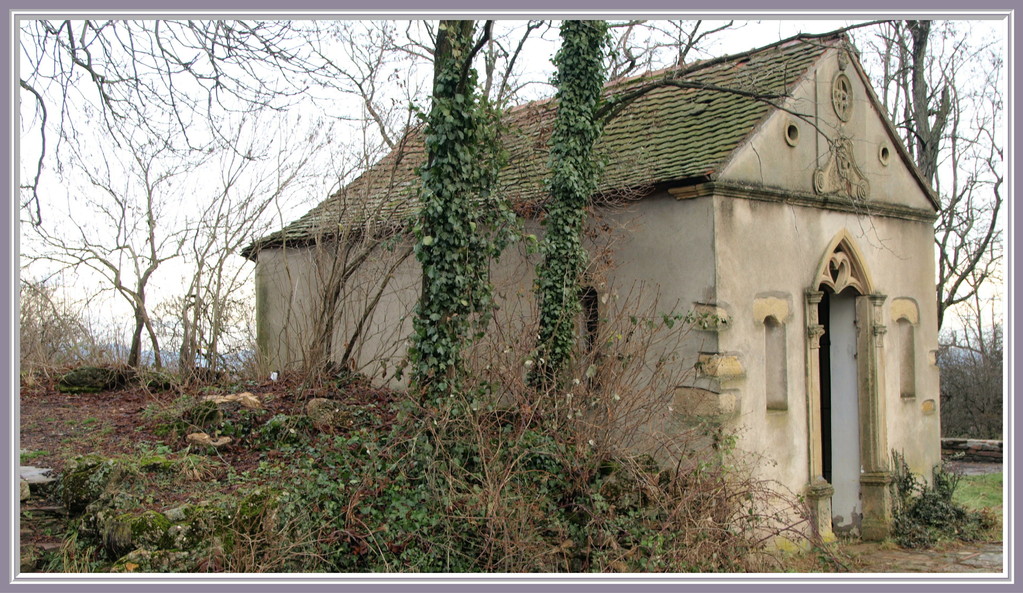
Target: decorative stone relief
[[880, 329], [841, 175], [814, 334]]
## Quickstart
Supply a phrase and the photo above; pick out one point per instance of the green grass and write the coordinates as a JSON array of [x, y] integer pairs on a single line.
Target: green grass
[[30, 455], [980, 493]]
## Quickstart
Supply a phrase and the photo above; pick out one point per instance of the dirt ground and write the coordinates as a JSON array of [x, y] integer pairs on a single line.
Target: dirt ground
[[58, 426], [55, 427]]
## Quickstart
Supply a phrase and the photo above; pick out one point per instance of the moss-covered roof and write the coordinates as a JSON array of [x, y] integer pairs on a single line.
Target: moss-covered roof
[[685, 129]]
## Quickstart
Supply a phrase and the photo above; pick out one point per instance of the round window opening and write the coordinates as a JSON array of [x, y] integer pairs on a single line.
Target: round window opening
[[884, 155], [792, 134]]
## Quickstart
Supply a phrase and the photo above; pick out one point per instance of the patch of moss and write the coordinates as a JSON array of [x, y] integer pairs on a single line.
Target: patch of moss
[[149, 530], [206, 519], [255, 511], [94, 379], [155, 463], [158, 380]]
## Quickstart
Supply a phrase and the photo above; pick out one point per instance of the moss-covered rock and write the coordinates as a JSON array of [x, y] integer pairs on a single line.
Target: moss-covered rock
[[157, 380], [149, 530], [155, 463], [143, 560], [94, 379], [114, 529], [192, 525], [87, 479], [256, 512]]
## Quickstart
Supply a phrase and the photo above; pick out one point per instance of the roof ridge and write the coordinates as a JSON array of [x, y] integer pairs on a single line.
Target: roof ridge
[[691, 67]]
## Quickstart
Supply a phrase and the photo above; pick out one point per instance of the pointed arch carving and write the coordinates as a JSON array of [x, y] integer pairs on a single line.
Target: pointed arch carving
[[842, 267]]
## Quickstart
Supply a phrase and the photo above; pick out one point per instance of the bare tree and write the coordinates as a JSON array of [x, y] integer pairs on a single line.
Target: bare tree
[[942, 89], [124, 72], [127, 195], [236, 213], [641, 45], [166, 97], [52, 331]]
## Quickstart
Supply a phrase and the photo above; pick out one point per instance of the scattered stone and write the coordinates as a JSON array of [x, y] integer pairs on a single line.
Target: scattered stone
[[246, 399], [201, 438], [327, 413], [25, 491]]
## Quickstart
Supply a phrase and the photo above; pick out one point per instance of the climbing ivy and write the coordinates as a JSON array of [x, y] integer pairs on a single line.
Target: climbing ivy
[[573, 179], [457, 229]]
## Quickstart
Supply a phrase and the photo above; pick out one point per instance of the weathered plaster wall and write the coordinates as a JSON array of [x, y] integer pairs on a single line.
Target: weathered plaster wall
[[666, 276], [285, 286], [768, 253], [290, 285]]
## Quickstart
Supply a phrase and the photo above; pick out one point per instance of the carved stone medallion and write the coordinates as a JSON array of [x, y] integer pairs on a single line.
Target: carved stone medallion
[[841, 96]]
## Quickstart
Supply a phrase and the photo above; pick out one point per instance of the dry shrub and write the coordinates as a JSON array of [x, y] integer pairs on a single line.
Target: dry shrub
[[598, 476], [53, 332], [601, 474]]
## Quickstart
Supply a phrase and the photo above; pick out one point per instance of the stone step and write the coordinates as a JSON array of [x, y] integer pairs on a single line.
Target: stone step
[[36, 475]]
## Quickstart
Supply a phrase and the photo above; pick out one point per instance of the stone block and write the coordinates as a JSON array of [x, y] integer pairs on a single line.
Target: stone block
[[721, 366], [693, 401]]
